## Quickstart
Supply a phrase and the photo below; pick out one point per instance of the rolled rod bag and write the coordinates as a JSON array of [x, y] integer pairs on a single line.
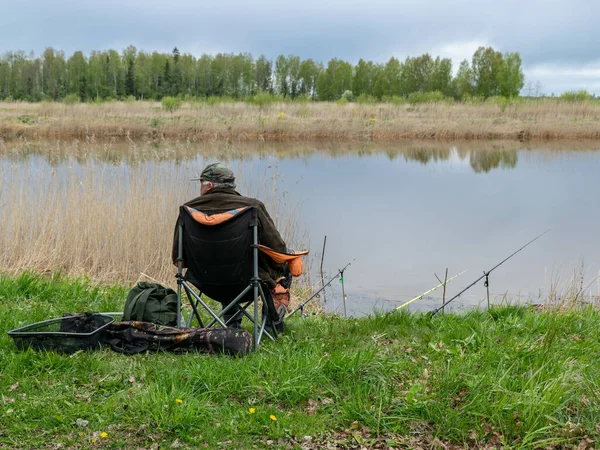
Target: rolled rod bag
[[132, 337]]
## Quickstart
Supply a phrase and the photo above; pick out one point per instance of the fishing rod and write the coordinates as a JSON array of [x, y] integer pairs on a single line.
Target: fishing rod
[[339, 272], [486, 274], [419, 297]]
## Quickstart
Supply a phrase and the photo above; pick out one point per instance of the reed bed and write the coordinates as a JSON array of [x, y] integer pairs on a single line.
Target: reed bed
[[241, 122], [110, 222]]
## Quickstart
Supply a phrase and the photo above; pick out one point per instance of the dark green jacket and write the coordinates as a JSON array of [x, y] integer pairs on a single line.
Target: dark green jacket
[[219, 200]]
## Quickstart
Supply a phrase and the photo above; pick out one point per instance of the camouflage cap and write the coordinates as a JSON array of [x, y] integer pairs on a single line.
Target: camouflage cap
[[217, 173]]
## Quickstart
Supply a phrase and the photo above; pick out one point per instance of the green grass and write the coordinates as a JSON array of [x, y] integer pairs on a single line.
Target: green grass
[[509, 377]]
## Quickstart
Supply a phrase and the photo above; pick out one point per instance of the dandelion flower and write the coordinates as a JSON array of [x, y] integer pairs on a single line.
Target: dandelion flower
[[272, 417], [251, 410], [178, 400], [104, 435]]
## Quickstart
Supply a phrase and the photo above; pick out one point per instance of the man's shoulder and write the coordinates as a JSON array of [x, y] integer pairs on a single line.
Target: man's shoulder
[[251, 201], [193, 202], [223, 199]]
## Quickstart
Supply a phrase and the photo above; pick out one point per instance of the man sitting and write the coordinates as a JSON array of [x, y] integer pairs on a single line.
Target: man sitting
[[218, 195]]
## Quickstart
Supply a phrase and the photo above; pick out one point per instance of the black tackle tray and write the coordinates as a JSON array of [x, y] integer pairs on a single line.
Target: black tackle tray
[[66, 334]]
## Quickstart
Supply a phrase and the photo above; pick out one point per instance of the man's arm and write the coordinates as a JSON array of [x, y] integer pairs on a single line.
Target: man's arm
[[269, 235]]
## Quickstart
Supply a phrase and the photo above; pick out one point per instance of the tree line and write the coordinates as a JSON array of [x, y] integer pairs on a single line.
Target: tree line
[[137, 74]]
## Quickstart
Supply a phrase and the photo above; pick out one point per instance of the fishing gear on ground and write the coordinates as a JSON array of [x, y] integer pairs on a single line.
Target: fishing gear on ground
[[487, 274], [419, 297], [340, 274]]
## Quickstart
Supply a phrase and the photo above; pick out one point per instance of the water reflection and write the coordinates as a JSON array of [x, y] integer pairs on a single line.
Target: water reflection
[[486, 161], [481, 156], [404, 213]]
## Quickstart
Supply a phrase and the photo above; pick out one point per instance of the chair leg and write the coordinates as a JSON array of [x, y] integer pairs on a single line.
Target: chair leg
[[198, 299], [259, 327], [179, 283], [265, 315], [256, 335], [217, 317], [233, 318], [262, 326], [194, 304]]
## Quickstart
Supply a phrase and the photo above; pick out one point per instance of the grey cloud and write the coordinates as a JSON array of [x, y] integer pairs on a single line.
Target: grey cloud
[[544, 32]]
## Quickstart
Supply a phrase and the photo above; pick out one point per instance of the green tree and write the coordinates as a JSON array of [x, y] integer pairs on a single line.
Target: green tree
[[235, 80], [129, 59], [116, 74], [96, 78], [165, 81], [281, 75], [335, 80], [465, 80], [4, 77], [157, 66], [294, 75], [249, 85], [204, 76], [54, 74], [393, 75], [219, 75], [263, 74], [32, 78], [307, 76], [441, 76], [14, 81], [416, 74], [130, 79], [77, 75], [380, 82], [510, 75], [176, 85], [486, 66], [362, 82], [143, 76]]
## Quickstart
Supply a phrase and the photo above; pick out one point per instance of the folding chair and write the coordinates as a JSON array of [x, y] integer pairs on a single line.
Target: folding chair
[[220, 253]]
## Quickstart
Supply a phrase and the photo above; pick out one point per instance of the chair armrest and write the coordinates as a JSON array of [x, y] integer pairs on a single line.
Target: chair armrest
[[293, 259]]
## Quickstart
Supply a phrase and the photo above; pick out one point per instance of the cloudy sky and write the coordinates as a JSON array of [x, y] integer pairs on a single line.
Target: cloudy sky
[[558, 39]]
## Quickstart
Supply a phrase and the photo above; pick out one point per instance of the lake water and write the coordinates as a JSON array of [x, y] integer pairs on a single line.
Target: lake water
[[404, 214]]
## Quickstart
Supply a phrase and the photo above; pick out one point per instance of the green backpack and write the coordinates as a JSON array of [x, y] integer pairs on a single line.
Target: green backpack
[[150, 302]]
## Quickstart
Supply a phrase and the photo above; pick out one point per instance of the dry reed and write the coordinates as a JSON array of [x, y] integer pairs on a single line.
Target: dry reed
[[109, 222], [242, 122], [570, 292]]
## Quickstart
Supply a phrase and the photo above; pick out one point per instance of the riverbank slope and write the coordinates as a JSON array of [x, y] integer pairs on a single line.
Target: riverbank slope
[[511, 377]]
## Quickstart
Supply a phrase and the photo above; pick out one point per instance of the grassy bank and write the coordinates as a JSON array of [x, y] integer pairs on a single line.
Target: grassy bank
[[522, 120], [510, 377]]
